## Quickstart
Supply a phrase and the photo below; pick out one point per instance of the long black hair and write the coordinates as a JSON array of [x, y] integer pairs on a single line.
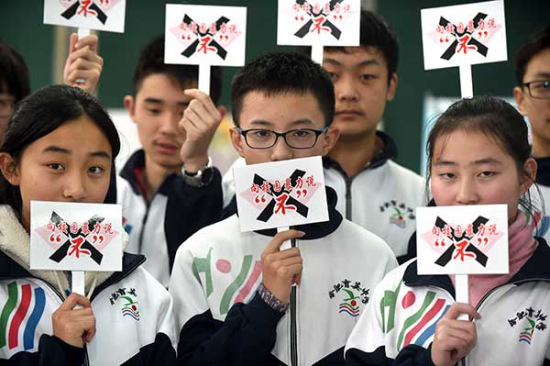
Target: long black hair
[[41, 113]]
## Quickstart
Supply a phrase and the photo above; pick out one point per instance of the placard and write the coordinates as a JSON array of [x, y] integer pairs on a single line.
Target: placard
[[103, 15]]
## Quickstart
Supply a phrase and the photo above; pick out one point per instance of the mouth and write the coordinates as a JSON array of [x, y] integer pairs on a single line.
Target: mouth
[[349, 113], [166, 147]]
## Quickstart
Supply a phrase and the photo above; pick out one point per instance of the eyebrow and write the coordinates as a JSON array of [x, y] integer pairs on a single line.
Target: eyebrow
[[542, 74], [484, 161], [262, 123], [160, 101], [60, 150], [363, 63]]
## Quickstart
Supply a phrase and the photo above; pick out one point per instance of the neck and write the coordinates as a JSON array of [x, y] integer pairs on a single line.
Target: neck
[[354, 154], [541, 147], [154, 175]]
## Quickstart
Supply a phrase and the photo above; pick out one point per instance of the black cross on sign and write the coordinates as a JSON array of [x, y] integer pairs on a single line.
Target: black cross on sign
[[304, 30], [451, 50], [192, 48]]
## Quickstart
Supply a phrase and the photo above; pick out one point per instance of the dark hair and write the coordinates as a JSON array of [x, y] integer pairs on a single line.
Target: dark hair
[[492, 117], [537, 43], [40, 114], [14, 74], [283, 72], [151, 61], [376, 32]]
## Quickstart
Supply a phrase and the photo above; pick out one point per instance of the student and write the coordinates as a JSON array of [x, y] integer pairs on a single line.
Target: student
[[232, 290], [478, 153], [60, 145], [165, 201], [82, 68], [533, 99], [373, 191]]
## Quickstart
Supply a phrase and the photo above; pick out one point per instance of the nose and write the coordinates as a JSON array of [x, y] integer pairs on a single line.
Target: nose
[[75, 189], [467, 193], [170, 122], [345, 89], [281, 151]]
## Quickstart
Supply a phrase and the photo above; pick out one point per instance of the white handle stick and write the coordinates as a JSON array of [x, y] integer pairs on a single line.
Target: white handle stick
[[317, 54], [204, 79], [462, 290], [466, 84], [82, 32]]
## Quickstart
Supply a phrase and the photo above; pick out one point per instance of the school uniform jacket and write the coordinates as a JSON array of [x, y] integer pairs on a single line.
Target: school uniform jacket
[[134, 325], [224, 322], [540, 195], [382, 197], [175, 212], [399, 323]]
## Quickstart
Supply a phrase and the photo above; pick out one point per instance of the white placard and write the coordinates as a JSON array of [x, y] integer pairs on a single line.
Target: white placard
[[103, 15], [281, 194], [205, 35], [322, 23], [462, 239], [76, 236], [463, 35]]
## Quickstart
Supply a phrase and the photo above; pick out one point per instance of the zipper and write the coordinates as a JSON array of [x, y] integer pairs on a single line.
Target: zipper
[[348, 196], [293, 330]]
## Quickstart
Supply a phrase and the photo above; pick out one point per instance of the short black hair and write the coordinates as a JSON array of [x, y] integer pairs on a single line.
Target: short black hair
[[151, 61], [376, 32], [537, 43], [14, 74], [283, 72]]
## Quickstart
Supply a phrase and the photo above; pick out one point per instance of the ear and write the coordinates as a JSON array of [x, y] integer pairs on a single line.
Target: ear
[[9, 170], [329, 139], [519, 96], [129, 104], [530, 167], [237, 140], [392, 87]]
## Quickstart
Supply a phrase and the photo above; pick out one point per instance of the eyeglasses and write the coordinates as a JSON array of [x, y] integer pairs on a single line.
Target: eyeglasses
[[297, 139], [6, 107], [538, 89]]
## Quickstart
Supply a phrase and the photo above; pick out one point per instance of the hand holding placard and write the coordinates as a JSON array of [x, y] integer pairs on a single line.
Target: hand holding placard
[[83, 66]]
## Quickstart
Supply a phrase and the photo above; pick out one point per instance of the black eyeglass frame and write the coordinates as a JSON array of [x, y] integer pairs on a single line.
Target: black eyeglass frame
[[528, 85], [283, 135]]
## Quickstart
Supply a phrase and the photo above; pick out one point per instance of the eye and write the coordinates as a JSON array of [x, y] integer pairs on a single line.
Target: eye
[[487, 174], [96, 170], [56, 166], [446, 176], [302, 133], [542, 85], [261, 134], [367, 77], [154, 111]]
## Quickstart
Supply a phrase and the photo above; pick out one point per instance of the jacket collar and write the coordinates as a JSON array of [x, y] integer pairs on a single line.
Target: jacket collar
[[536, 268], [543, 171], [136, 164], [389, 151]]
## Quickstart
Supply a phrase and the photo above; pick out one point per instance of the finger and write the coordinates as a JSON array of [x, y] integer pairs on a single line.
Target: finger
[[468, 336], [288, 262], [287, 253], [280, 238], [73, 300], [73, 40], [82, 64], [83, 79], [202, 97], [86, 54], [460, 308], [198, 114], [90, 41]]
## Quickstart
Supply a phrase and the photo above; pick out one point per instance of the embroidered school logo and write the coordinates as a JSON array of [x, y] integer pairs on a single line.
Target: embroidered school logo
[[241, 289], [23, 304], [399, 213], [351, 295], [127, 301], [419, 327], [528, 320]]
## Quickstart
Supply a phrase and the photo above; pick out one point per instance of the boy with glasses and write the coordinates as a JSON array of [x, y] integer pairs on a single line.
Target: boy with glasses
[[232, 290], [533, 100]]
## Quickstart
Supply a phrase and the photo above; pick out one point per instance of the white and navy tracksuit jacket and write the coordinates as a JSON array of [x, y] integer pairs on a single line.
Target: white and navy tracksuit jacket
[[175, 212], [540, 195], [399, 323], [224, 322], [134, 324], [382, 198]]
